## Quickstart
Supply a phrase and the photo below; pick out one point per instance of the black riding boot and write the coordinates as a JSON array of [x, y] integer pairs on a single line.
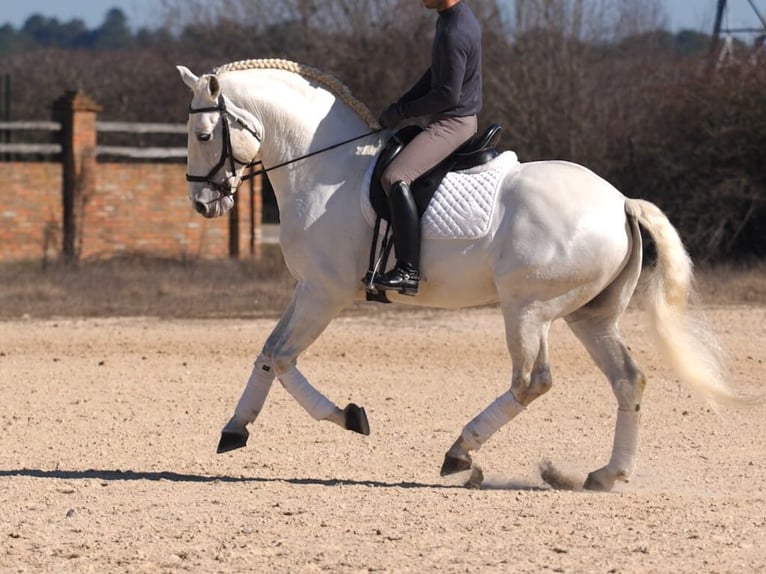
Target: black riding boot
[[406, 226]]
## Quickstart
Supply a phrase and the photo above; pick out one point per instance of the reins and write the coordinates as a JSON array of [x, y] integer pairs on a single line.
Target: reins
[[227, 152], [308, 155]]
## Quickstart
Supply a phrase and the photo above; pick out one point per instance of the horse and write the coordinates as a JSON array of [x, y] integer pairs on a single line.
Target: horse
[[560, 243]]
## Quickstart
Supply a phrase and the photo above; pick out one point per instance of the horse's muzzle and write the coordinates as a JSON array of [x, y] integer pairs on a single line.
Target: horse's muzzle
[[200, 207], [216, 206]]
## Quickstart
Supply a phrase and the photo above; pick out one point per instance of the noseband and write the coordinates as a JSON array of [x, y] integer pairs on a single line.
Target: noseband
[[227, 152]]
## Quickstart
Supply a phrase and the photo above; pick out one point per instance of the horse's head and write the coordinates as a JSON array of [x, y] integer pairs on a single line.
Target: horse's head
[[223, 140]]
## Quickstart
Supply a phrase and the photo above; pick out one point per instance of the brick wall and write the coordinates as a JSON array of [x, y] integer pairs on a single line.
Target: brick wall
[[129, 208], [30, 211], [81, 208]]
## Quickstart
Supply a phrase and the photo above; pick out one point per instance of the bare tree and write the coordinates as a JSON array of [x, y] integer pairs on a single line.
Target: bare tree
[[363, 42]]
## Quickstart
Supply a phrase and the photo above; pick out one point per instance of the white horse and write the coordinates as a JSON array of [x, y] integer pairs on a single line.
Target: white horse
[[561, 243]]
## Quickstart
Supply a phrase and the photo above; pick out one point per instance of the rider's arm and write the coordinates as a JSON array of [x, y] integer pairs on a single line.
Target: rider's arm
[[419, 89], [448, 72]]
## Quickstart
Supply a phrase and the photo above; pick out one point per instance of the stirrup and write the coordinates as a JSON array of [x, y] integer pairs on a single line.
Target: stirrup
[[401, 279]]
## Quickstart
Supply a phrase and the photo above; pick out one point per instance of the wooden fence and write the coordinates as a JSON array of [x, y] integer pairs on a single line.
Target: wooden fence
[[74, 198]]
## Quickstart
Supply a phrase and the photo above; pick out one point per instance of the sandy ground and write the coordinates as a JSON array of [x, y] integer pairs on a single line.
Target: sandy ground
[[109, 427]]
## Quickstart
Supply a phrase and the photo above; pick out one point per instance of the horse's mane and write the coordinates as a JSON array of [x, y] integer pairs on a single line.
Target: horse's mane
[[330, 83]]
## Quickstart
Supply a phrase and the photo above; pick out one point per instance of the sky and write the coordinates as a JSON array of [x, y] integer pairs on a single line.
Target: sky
[[140, 13], [691, 14]]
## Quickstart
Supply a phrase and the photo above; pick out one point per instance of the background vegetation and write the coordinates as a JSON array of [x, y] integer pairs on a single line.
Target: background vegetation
[[605, 86]]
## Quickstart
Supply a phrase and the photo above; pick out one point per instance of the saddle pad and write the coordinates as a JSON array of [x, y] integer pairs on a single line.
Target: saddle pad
[[463, 204]]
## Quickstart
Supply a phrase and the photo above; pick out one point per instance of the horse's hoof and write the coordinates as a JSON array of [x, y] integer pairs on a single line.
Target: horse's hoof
[[599, 481], [232, 440], [476, 479], [356, 419], [453, 464]]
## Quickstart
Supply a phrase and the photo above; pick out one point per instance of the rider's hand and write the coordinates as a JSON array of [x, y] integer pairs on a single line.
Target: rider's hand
[[390, 117]]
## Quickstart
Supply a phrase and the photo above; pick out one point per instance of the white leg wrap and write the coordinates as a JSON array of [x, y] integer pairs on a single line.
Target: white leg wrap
[[315, 403], [251, 402], [490, 420], [623, 459]]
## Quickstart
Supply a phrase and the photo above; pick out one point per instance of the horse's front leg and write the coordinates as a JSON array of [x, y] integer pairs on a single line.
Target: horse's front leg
[[235, 434], [307, 316]]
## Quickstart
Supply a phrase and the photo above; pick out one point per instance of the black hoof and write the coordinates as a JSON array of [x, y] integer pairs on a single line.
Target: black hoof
[[232, 441], [453, 464], [356, 419], [592, 483]]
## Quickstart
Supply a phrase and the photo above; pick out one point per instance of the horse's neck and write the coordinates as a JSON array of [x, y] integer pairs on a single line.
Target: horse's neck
[[298, 118]]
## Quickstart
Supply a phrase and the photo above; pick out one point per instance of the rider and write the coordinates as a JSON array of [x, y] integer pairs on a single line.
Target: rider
[[450, 93]]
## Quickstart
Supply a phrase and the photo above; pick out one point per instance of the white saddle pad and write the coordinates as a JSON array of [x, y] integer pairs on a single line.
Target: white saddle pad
[[462, 206]]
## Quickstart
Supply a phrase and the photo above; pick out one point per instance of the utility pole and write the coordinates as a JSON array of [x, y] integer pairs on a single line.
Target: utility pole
[[721, 27]]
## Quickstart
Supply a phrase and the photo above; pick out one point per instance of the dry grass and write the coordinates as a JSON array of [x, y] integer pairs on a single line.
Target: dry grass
[[731, 285], [146, 286], [204, 289]]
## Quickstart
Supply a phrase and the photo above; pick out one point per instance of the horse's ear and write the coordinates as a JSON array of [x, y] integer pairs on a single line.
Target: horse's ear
[[215, 87], [188, 77]]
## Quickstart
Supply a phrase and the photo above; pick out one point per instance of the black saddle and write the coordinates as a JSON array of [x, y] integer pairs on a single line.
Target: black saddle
[[477, 151]]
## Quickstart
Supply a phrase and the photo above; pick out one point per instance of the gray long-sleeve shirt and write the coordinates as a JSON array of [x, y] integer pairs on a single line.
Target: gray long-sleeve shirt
[[452, 86]]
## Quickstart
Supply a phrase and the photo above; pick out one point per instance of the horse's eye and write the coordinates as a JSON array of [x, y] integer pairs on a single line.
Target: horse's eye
[[204, 137]]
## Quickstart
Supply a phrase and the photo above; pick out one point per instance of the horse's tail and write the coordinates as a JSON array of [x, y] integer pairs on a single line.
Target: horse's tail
[[687, 345]]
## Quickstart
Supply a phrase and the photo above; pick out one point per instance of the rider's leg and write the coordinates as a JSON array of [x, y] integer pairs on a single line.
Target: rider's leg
[[406, 226], [440, 138]]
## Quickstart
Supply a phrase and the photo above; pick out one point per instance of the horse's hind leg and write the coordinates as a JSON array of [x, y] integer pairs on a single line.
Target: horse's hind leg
[[526, 337], [601, 337]]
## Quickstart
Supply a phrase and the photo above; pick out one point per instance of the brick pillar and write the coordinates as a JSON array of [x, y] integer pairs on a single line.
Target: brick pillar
[[77, 114], [254, 222]]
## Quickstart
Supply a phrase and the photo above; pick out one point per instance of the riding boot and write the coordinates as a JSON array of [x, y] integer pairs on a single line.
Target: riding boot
[[404, 277]]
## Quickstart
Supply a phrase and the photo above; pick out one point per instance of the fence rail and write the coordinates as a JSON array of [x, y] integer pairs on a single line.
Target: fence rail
[[25, 149], [138, 153], [143, 152], [7, 148], [141, 128], [41, 126]]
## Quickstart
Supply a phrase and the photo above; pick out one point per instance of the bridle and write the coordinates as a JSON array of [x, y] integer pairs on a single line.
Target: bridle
[[227, 152]]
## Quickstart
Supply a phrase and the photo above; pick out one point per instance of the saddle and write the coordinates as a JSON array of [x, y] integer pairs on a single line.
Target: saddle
[[477, 151]]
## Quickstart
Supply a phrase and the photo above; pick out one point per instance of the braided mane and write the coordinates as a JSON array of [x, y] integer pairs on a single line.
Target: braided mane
[[332, 84]]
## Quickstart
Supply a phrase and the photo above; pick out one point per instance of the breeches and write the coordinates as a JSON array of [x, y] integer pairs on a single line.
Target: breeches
[[439, 139]]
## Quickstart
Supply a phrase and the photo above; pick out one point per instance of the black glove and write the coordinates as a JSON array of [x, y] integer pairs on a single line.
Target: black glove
[[390, 116]]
